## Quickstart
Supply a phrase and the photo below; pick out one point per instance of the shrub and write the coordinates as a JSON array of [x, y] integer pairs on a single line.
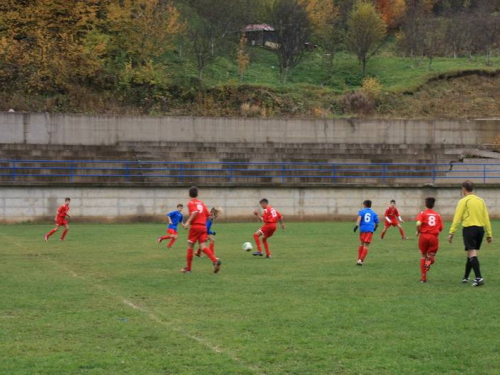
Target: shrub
[[358, 103], [372, 88]]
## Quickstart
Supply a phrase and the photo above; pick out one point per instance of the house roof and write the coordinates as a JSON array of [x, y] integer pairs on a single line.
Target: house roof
[[258, 27]]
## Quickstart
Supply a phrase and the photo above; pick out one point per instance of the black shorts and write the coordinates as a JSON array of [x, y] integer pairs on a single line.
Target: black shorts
[[473, 237]]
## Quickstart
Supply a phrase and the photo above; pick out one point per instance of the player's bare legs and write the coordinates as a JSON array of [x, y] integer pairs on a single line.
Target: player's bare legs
[[256, 237], [46, 237]]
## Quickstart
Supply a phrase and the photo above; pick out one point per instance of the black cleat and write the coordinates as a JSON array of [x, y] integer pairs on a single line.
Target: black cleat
[[478, 282], [258, 254], [217, 266], [268, 257]]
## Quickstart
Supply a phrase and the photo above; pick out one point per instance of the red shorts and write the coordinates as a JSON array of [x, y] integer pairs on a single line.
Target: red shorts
[[171, 231], [198, 233], [366, 237], [428, 243], [394, 223], [268, 230], [61, 221]]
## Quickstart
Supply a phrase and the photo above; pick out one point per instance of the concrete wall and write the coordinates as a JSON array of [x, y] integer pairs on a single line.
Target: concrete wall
[[19, 204], [39, 128]]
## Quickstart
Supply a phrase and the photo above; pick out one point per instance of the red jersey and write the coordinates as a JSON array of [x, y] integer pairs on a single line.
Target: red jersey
[[202, 213], [62, 211], [430, 222], [271, 216], [392, 213]]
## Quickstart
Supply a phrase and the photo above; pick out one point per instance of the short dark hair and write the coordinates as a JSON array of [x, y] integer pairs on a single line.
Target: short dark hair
[[193, 192], [67, 199], [393, 201], [180, 205], [367, 203], [468, 185], [264, 200], [430, 202]]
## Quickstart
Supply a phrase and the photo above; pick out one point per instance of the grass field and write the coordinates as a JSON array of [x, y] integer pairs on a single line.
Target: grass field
[[110, 300]]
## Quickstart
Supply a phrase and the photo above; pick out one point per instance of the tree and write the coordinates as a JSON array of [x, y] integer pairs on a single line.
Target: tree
[[366, 31], [487, 24], [290, 19], [434, 39], [411, 34], [391, 11], [242, 57]]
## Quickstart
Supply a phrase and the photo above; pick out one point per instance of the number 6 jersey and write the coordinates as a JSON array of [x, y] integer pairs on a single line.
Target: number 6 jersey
[[368, 220]]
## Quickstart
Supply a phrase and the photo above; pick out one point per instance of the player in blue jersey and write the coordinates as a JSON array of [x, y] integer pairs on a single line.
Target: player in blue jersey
[[214, 214], [174, 219], [367, 223]]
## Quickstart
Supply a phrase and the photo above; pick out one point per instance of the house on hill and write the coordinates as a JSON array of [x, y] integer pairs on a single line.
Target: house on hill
[[263, 35]]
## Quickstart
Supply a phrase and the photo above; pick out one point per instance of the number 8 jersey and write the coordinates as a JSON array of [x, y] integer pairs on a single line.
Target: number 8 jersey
[[368, 220], [430, 222], [271, 216]]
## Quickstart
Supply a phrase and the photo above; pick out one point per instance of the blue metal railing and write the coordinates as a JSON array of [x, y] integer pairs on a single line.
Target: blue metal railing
[[234, 172]]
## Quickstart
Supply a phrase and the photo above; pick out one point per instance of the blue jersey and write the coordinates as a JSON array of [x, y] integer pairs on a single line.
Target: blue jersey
[[368, 220], [176, 218], [209, 226]]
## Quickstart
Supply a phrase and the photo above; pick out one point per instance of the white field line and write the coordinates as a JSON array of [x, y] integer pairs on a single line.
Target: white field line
[[151, 315]]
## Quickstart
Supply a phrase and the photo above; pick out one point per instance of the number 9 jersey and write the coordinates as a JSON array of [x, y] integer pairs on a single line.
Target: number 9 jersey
[[368, 220]]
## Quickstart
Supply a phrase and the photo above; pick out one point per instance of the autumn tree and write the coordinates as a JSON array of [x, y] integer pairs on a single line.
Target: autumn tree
[[242, 57], [48, 45], [366, 31], [291, 21], [391, 11]]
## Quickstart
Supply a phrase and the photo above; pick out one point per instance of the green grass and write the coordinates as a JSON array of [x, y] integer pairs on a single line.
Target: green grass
[[110, 300], [397, 74]]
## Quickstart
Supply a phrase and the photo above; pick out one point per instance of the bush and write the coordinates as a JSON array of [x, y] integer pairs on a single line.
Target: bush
[[358, 103], [372, 88]]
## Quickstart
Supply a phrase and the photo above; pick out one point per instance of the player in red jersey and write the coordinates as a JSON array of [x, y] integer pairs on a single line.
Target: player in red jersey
[[393, 219], [270, 217], [197, 224], [60, 220], [429, 225]]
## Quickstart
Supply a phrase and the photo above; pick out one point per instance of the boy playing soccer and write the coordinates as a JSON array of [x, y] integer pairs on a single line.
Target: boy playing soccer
[[214, 214], [429, 225], [197, 224], [270, 217], [393, 219], [367, 222], [174, 218], [60, 220]]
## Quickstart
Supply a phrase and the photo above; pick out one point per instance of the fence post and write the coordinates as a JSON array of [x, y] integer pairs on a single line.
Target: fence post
[[13, 171], [128, 172], [384, 169], [334, 173], [71, 167], [484, 173], [181, 172], [231, 172], [283, 173], [433, 173]]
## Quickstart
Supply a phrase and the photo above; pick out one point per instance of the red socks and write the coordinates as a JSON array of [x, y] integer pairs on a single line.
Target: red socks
[[360, 251], [266, 246], [212, 247], [163, 238], [51, 232], [171, 243], [189, 258], [257, 242], [402, 232], [364, 253], [64, 234], [210, 254], [423, 270], [383, 234]]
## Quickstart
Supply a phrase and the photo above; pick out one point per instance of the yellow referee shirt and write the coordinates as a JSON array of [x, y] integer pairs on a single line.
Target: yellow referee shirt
[[472, 212]]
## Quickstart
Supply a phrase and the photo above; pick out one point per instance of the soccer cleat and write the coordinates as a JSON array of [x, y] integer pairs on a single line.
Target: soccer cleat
[[359, 263], [46, 238], [423, 281], [268, 257], [61, 239], [198, 254], [478, 282], [258, 254], [465, 280], [217, 266], [185, 270], [404, 238], [158, 240]]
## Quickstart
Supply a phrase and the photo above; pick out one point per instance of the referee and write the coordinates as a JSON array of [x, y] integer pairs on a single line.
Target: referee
[[472, 213]]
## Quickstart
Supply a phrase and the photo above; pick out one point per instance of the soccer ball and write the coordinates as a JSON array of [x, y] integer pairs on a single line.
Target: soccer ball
[[247, 246]]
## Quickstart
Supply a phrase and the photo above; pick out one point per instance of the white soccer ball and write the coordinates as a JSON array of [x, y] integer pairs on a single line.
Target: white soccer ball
[[247, 246]]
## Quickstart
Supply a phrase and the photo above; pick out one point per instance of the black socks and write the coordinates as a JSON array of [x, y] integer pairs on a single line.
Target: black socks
[[474, 263]]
